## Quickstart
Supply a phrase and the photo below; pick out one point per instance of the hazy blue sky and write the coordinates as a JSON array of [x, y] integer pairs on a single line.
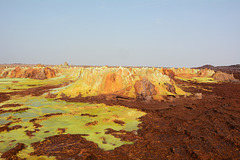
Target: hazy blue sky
[[120, 32]]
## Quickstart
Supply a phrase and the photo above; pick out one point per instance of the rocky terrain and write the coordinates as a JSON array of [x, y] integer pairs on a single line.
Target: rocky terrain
[[189, 113], [33, 73], [227, 69]]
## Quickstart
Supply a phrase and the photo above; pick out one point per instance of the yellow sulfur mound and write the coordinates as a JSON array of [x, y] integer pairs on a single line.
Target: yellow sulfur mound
[[122, 81]]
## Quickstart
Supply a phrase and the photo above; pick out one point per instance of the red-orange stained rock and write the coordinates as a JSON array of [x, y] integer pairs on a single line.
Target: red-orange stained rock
[[113, 83]]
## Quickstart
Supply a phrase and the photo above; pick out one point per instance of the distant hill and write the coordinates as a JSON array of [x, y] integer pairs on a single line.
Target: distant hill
[[206, 66], [228, 69]]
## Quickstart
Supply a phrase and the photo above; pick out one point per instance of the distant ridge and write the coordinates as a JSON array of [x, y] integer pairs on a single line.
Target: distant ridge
[[206, 66], [228, 69]]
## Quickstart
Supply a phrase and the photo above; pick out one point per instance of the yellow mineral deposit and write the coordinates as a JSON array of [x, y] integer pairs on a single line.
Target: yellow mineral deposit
[[195, 75], [121, 81]]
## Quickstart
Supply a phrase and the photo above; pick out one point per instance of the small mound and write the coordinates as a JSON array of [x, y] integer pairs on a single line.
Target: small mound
[[220, 76], [33, 73]]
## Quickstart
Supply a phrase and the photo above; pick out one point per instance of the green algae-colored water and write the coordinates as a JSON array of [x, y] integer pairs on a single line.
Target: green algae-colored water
[[74, 117], [71, 120], [19, 84]]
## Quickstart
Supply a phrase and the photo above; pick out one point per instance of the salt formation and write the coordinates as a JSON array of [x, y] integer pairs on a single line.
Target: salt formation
[[145, 83], [32, 72]]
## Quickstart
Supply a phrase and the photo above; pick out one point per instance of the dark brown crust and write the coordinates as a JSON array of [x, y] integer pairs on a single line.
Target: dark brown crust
[[11, 154], [89, 115], [119, 122], [12, 110], [91, 123], [10, 105]]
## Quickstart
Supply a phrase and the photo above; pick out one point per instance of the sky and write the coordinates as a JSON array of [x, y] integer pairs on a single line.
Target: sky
[[160, 33]]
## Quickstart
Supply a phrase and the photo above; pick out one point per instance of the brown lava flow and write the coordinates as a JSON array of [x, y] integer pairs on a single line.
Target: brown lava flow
[[179, 128]]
